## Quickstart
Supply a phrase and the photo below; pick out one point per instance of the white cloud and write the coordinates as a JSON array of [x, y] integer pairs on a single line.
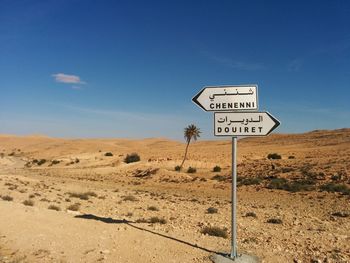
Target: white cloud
[[65, 78]]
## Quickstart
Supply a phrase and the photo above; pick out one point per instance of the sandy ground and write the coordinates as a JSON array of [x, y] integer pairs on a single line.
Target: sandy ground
[[147, 212]]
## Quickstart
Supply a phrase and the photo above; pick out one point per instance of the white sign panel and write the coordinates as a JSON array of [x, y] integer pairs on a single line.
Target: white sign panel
[[228, 98], [244, 123]]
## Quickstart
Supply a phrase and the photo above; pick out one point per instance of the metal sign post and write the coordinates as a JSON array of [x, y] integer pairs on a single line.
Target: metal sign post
[[234, 199]]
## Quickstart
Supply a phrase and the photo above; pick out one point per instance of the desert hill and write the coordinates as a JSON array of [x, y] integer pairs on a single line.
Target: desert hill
[[78, 200]]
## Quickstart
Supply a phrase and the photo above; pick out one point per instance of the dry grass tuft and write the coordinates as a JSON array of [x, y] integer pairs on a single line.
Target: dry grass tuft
[[215, 231], [28, 202], [74, 207], [54, 207], [7, 198]]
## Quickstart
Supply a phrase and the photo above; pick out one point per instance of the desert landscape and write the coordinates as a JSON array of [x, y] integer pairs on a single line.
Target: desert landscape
[[85, 200]]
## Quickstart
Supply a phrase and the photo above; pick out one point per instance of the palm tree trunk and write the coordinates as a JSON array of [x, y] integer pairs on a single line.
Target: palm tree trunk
[[188, 143]]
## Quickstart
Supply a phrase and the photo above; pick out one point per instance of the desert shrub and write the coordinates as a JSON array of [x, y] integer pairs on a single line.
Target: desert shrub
[[42, 161], [287, 169], [177, 168], [277, 183], [141, 220], [301, 185], [291, 157], [339, 188], [156, 219], [305, 171], [82, 196], [153, 208], [12, 154], [28, 202], [217, 169], [55, 162], [250, 214], [54, 207], [31, 195], [108, 154], [191, 170], [212, 210], [336, 177], [295, 186], [90, 193], [77, 160], [74, 207], [340, 214], [248, 180], [129, 214], [35, 161], [274, 221], [274, 156], [7, 198], [215, 231], [131, 158], [129, 198], [219, 178]]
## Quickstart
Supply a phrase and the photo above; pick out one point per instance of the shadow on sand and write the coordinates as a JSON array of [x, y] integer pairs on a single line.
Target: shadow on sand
[[110, 220]]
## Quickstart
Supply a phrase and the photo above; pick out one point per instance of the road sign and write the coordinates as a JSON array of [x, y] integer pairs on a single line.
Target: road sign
[[228, 98], [244, 123], [235, 114]]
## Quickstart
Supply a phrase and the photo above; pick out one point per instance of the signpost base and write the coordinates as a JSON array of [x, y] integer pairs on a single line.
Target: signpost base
[[241, 258]]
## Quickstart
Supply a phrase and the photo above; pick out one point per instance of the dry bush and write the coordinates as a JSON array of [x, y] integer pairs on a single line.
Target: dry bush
[[82, 196], [7, 198], [42, 161], [212, 210], [158, 220], [250, 214], [215, 231], [339, 188], [131, 158], [130, 198], [152, 208], [54, 207], [191, 170], [217, 169], [340, 214], [28, 202], [274, 221], [248, 180], [220, 178], [53, 162], [274, 156], [74, 207]]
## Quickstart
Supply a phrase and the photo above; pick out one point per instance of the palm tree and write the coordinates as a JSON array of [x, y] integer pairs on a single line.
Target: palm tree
[[190, 132]]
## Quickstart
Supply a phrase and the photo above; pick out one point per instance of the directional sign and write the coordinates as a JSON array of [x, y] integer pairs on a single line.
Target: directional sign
[[244, 123], [228, 98]]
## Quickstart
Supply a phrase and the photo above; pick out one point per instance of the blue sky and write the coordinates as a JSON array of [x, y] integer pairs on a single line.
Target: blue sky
[[80, 68]]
